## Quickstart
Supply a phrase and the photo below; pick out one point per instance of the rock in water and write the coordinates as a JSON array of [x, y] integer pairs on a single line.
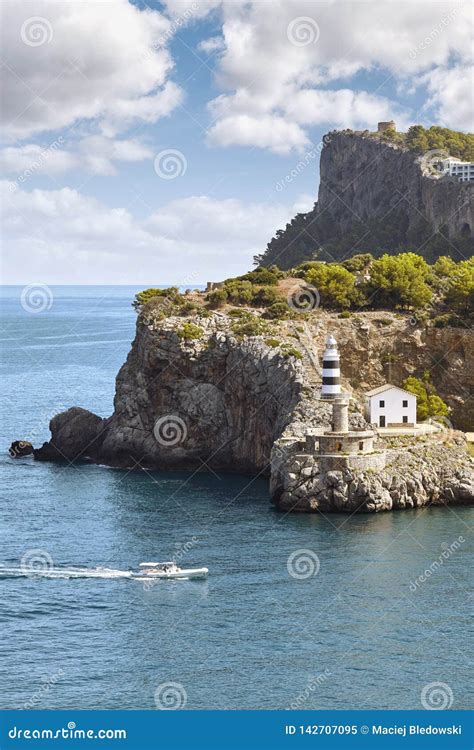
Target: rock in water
[[75, 434], [20, 448]]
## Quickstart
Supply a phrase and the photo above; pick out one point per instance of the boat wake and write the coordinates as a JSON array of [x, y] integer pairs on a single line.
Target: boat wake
[[64, 573]]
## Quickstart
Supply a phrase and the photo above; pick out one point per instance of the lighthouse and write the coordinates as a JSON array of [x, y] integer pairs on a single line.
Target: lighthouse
[[331, 387]]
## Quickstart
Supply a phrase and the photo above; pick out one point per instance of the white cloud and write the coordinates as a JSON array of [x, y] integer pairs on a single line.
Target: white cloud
[[213, 44], [452, 96], [65, 235], [94, 154], [269, 73], [268, 131], [104, 62]]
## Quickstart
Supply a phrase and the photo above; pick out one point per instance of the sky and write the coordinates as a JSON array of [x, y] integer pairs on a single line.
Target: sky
[[159, 143]]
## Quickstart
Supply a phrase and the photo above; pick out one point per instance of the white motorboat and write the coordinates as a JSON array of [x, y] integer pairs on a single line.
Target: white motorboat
[[152, 570]]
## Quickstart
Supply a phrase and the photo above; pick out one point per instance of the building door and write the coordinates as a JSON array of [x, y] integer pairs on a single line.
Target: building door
[[381, 421]]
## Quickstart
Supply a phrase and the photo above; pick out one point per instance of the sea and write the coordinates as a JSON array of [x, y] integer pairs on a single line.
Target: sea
[[298, 611]]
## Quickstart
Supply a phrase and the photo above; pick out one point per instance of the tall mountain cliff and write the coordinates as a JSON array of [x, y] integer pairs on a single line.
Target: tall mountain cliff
[[376, 196]]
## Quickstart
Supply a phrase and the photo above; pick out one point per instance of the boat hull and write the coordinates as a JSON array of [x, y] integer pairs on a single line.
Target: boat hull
[[189, 573]]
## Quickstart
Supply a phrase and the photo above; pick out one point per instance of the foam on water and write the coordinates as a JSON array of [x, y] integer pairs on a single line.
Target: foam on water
[[64, 573]]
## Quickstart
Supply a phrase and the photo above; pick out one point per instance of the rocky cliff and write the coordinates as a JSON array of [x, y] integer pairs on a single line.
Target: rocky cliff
[[243, 403], [376, 196]]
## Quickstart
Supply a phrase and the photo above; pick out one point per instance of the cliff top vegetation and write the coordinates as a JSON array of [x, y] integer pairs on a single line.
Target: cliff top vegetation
[[440, 294], [420, 139]]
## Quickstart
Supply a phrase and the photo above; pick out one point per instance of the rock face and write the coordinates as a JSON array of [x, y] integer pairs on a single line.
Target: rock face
[[211, 403], [75, 434], [434, 471], [373, 196], [222, 403]]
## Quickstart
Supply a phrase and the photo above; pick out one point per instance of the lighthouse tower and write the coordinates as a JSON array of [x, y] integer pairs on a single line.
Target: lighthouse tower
[[331, 387]]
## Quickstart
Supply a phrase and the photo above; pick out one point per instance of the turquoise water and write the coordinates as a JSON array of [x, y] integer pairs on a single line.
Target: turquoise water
[[355, 635]]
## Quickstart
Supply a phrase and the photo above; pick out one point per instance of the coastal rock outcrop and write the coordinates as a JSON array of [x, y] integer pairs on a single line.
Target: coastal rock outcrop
[[375, 194], [75, 434], [435, 470], [199, 396]]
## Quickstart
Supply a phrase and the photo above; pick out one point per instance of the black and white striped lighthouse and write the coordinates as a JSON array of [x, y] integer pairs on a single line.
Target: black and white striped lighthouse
[[331, 387]]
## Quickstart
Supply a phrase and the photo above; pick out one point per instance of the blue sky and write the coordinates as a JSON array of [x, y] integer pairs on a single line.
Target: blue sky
[[98, 93]]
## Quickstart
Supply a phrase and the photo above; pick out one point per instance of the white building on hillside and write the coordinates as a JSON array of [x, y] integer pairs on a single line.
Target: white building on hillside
[[463, 170], [390, 406]]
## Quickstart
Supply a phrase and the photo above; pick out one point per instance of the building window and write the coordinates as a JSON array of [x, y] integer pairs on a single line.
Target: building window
[[361, 446], [382, 404], [405, 420], [339, 446], [405, 404]]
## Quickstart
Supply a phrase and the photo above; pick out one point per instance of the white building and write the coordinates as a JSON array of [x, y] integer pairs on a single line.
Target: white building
[[463, 170], [390, 406]]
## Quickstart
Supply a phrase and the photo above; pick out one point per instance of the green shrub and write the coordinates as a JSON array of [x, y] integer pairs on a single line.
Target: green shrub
[[265, 296], [400, 281], [428, 403], [336, 285], [277, 311], [250, 325], [190, 332], [268, 276], [272, 342], [345, 314], [384, 321], [290, 351], [217, 298], [237, 312], [239, 291], [171, 294]]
